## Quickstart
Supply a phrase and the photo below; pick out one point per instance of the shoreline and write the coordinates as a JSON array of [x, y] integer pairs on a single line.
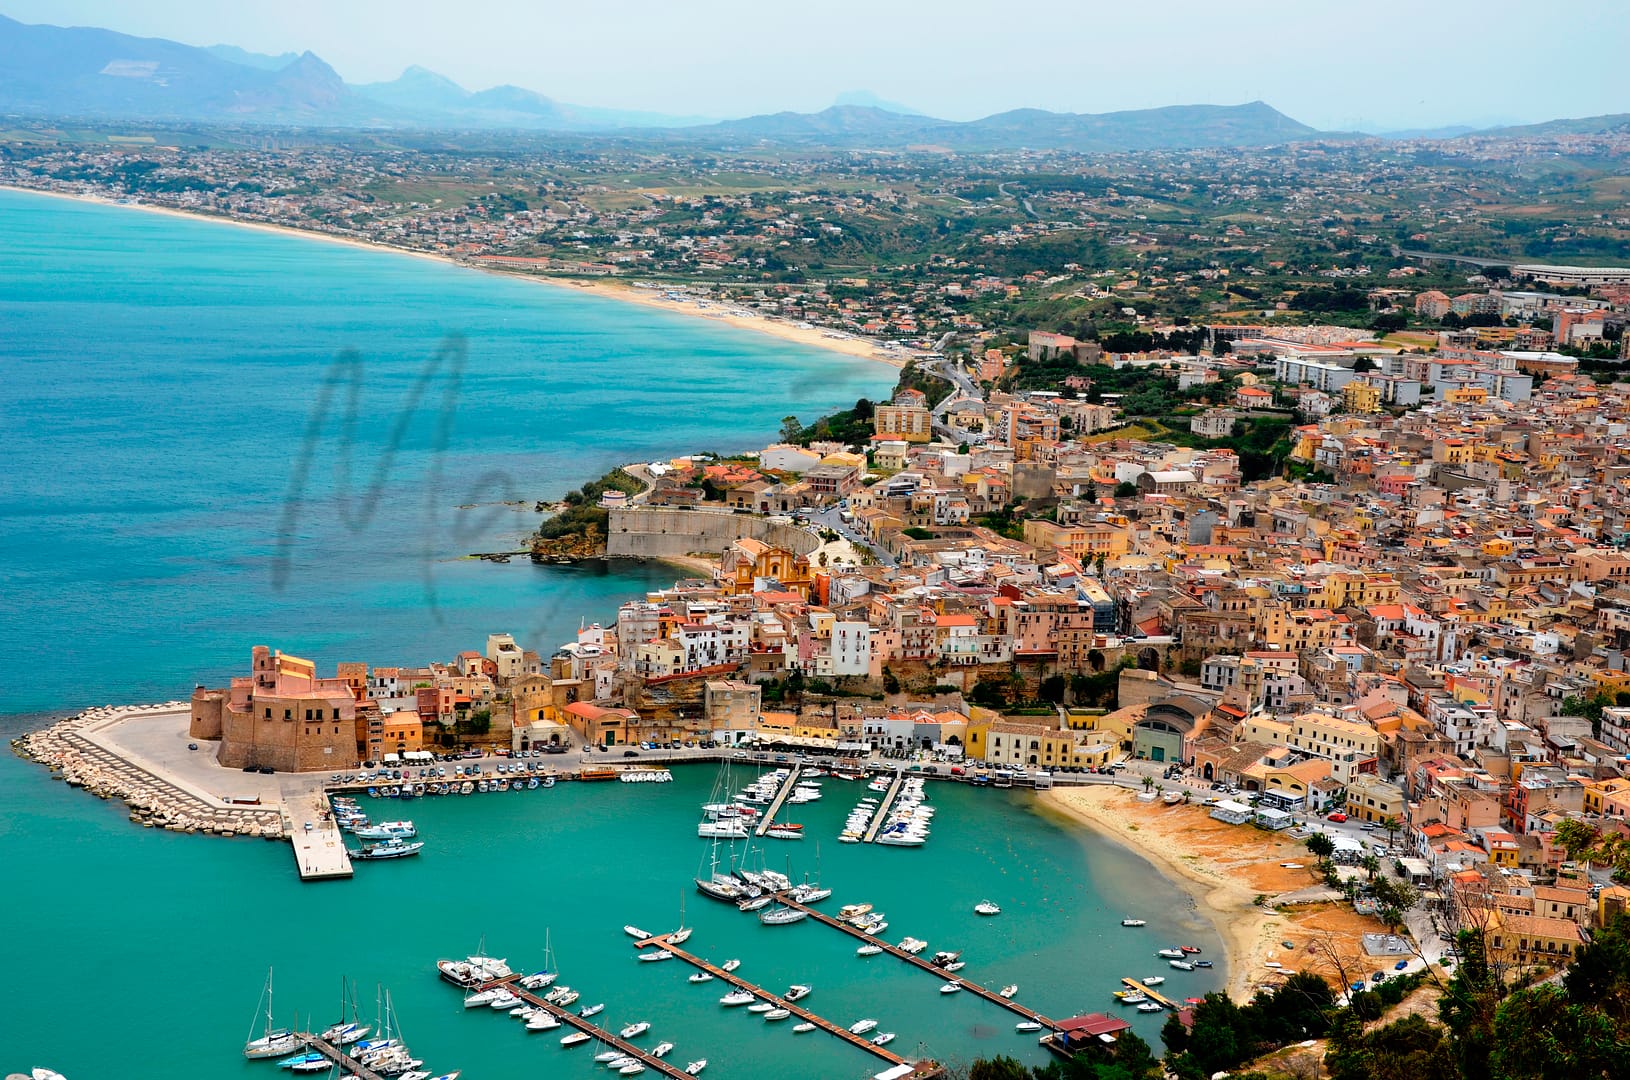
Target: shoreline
[[1249, 932], [692, 307]]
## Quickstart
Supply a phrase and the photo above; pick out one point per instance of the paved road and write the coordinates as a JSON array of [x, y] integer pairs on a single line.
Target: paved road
[[830, 518]]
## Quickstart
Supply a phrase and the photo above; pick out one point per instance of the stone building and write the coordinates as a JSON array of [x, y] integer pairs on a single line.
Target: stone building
[[282, 716]]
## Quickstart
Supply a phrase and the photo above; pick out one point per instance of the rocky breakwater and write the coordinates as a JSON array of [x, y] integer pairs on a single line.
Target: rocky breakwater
[[154, 801], [568, 549]]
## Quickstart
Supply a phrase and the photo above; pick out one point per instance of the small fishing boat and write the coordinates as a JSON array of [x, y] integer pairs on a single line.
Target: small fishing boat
[[730, 965], [701, 977], [861, 1027], [576, 1038], [1134, 922], [1170, 954], [868, 950], [695, 1068], [985, 907], [1150, 1007], [389, 849], [760, 1007], [803, 1029], [777, 1014], [952, 987], [662, 1049], [631, 1070], [635, 1030], [1181, 965], [797, 992], [1154, 980], [1202, 963], [1009, 990], [736, 997], [300, 1059], [883, 1039], [1130, 997], [653, 957], [636, 933], [1192, 950]]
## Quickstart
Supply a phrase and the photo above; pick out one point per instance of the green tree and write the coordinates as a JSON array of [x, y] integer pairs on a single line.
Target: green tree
[[1126, 490], [1540, 1034], [1321, 845], [1576, 838], [1409, 1049], [1392, 825], [998, 1068], [790, 429]]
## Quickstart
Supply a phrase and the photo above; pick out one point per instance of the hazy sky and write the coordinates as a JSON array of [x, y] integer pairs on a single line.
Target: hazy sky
[[1335, 64]]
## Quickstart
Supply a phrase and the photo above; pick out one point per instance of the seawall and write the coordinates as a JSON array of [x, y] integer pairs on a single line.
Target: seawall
[[655, 532]]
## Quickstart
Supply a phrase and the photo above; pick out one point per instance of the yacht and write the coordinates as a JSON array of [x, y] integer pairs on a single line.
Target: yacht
[[736, 997], [955, 965], [723, 829], [482, 998], [810, 894], [606, 1056], [850, 912], [619, 1061], [385, 830], [755, 903], [568, 998], [1009, 990], [783, 916], [634, 1031], [944, 957], [985, 907], [861, 1027], [272, 1042], [1027, 1025], [504, 1001]]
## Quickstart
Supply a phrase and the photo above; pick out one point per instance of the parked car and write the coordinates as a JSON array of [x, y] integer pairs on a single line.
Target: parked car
[[631, 752]]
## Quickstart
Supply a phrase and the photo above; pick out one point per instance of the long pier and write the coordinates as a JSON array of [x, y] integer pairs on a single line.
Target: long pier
[[918, 962], [644, 1057], [350, 1065], [921, 1070], [776, 803], [884, 807], [1151, 993]]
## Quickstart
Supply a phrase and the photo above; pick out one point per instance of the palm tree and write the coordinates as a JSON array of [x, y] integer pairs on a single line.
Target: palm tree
[[1392, 825], [1371, 865]]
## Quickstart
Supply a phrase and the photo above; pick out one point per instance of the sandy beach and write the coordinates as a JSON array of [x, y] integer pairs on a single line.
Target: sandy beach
[[695, 307], [1225, 868]]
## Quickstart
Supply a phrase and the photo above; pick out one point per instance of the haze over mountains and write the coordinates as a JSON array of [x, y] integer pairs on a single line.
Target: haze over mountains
[[91, 73]]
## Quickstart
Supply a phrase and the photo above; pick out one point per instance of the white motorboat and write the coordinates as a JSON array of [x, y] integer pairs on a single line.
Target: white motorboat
[[755, 903], [635, 1030], [861, 1027], [801, 1029], [503, 1001], [723, 829], [883, 1039], [1134, 922], [653, 957], [606, 1056], [955, 965], [389, 849], [542, 1021], [662, 1049], [912, 945], [777, 1014], [985, 907], [701, 977], [1181, 965], [1170, 954], [695, 1068], [952, 987], [483, 998], [760, 1007], [797, 992], [1150, 1007], [1009, 990], [680, 936], [591, 1010], [568, 998], [736, 997], [853, 911], [1154, 980], [636, 933], [1027, 1025], [631, 1070], [576, 1038], [730, 965], [809, 894], [868, 950], [39, 1073]]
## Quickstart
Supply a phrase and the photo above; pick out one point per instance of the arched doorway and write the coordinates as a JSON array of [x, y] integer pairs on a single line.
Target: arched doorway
[[1149, 659], [1206, 772]]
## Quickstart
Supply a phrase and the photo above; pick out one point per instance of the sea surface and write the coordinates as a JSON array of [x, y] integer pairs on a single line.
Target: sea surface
[[175, 933], [215, 437]]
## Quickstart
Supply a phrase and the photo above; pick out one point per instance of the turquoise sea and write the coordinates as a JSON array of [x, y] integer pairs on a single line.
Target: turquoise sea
[[216, 436], [178, 931], [169, 501]]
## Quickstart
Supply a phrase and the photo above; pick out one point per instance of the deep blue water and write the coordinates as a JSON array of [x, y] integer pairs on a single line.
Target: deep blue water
[[215, 437]]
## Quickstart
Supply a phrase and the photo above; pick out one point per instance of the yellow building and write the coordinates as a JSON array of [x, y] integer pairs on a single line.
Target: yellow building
[[1360, 397], [1085, 541], [403, 732], [1524, 940], [1369, 798], [913, 423]]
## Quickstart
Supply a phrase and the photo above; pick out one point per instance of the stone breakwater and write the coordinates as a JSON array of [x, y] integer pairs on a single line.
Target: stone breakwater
[[66, 749]]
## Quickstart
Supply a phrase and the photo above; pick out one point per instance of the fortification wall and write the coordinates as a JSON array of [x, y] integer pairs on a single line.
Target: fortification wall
[[653, 532]]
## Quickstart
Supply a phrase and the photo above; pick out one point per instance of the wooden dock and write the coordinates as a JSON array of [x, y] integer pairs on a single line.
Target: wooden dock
[[922, 1070], [1151, 993], [884, 807], [777, 802], [916, 961], [571, 1019], [349, 1065]]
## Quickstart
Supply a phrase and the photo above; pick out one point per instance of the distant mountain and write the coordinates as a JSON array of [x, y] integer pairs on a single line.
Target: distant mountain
[[1453, 131], [417, 90], [1584, 125], [1173, 127], [236, 55], [870, 100], [431, 99], [79, 71]]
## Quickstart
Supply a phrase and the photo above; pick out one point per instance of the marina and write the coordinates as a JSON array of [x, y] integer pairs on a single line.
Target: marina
[[921, 1070], [776, 804], [881, 814]]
